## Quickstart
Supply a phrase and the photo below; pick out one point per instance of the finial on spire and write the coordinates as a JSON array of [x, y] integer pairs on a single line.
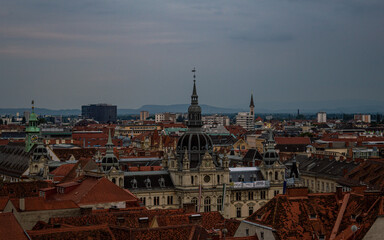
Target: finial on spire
[[33, 105], [194, 75]]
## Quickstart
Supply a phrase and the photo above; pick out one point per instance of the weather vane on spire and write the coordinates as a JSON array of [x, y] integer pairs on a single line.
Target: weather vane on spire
[[194, 75]]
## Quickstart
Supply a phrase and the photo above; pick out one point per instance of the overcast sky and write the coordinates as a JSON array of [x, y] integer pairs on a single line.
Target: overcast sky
[[65, 54]]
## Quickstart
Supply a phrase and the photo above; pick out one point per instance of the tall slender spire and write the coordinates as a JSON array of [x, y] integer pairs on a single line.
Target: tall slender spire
[[252, 104], [109, 145], [194, 97], [194, 110]]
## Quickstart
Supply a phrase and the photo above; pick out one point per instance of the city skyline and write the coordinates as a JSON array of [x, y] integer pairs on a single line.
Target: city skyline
[[130, 54]]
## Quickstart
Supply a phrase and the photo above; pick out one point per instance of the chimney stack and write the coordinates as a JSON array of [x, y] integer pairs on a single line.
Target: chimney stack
[[22, 204]]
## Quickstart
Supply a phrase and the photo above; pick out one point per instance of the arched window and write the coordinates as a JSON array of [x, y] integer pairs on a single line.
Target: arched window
[[207, 204], [192, 182], [194, 201], [220, 203], [114, 180], [218, 179], [276, 176]]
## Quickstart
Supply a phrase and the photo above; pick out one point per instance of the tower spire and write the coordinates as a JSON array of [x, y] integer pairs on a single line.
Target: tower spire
[[194, 97], [194, 110], [109, 145], [252, 104]]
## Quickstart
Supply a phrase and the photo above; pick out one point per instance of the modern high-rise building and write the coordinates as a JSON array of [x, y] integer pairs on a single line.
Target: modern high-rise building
[[144, 115], [103, 113], [366, 118], [321, 117], [245, 119]]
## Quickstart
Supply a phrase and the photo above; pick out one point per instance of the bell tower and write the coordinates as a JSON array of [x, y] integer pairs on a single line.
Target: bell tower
[[252, 107], [32, 131]]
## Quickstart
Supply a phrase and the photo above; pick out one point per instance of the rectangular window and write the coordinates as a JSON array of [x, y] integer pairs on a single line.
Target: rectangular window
[[250, 195], [142, 199], [238, 196], [262, 194], [276, 192], [156, 201], [170, 200], [247, 232], [262, 235], [238, 212]]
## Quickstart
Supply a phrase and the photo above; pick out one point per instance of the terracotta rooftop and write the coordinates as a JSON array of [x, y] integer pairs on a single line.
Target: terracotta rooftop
[[39, 204], [23, 189], [293, 140], [10, 228], [95, 190], [298, 215]]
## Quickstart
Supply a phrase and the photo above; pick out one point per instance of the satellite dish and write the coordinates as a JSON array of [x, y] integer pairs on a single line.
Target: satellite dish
[[354, 228]]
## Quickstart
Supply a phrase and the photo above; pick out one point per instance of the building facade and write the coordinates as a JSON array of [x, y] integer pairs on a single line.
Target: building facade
[[103, 113]]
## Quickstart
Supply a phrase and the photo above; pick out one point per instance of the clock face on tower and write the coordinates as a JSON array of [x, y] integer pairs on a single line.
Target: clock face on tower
[[34, 138]]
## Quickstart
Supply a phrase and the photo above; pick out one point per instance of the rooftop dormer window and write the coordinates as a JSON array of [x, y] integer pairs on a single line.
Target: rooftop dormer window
[[313, 216]]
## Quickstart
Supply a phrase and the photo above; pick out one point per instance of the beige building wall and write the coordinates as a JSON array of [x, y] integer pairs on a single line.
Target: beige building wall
[[28, 219]]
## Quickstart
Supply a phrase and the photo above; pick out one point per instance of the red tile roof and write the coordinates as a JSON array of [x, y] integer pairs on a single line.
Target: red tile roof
[[293, 140], [84, 232], [3, 202], [299, 216], [95, 190], [63, 170], [10, 228], [39, 204]]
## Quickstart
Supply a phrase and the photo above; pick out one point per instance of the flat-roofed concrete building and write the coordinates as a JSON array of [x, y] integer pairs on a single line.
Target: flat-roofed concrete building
[[103, 113], [321, 117]]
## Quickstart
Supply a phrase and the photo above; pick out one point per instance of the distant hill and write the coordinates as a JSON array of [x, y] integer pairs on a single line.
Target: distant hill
[[345, 106], [152, 109], [40, 111]]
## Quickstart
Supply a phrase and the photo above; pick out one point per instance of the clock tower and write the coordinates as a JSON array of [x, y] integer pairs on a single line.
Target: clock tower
[[32, 131]]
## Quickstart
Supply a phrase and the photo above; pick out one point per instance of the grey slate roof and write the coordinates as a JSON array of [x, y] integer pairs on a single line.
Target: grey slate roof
[[14, 161], [142, 176], [324, 167]]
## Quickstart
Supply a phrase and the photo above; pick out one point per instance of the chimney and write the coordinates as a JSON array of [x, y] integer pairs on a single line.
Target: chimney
[[22, 204], [195, 218], [143, 222]]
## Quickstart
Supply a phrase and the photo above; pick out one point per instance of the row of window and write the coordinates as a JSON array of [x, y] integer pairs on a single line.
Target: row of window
[[156, 200], [238, 211], [321, 186], [251, 195]]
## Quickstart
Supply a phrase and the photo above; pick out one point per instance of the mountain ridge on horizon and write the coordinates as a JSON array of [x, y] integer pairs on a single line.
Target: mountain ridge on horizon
[[206, 109]]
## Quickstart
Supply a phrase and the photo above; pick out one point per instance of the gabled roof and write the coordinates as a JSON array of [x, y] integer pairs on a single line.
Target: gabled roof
[[95, 190], [10, 228], [39, 204], [299, 216]]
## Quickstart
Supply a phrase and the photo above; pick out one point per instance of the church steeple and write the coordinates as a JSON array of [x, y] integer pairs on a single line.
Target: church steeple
[[194, 110], [252, 104], [32, 131], [252, 107]]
